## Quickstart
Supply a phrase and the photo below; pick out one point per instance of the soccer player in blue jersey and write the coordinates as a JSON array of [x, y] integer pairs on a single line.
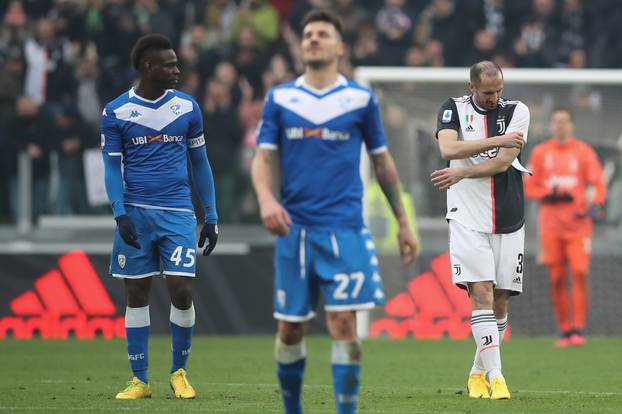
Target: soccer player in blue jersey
[[314, 128], [152, 129]]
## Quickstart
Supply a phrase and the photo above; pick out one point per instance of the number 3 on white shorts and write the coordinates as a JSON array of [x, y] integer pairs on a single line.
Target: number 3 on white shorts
[[344, 281], [176, 256]]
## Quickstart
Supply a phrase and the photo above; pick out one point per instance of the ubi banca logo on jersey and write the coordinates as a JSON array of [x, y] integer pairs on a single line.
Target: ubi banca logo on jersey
[[164, 138], [319, 133]]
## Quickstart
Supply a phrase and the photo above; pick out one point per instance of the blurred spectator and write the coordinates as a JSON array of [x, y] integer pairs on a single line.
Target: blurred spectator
[[216, 16], [49, 70], [353, 17], [87, 74], [27, 130], [249, 59], [154, 16], [365, 50], [494, 18], [577, 59], [262, 17], [531, 48], [484, 46], [434, 53], [71, 136], [395, 25], [439, 21], [278, 72], [15, 14], [572, 31], [415, 56], [224, 137]]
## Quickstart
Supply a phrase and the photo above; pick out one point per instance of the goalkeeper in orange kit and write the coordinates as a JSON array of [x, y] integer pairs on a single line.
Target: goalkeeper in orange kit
[[564, 168]]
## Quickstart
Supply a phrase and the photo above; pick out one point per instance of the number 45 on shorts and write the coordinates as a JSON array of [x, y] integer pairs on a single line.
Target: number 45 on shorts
[[187, 260]]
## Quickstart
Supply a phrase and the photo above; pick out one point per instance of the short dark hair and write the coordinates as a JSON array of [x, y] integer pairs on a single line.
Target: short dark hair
[[563, 109], [485, 67], [320, 15], [148, 43]]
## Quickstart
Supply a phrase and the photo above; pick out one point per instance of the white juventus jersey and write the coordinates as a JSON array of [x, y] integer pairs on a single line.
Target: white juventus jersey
[[489, 204]]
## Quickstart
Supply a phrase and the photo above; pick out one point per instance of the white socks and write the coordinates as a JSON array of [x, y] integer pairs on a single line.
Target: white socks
[[486, 334], [478, 366]]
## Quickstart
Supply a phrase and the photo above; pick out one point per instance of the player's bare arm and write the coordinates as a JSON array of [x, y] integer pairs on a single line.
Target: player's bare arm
[[445, 178], [273, 215], [389, 181], [452, 149]]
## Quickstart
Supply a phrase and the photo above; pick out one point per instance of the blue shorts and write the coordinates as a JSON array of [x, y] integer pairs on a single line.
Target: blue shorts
[[167, 245], [342, 264]]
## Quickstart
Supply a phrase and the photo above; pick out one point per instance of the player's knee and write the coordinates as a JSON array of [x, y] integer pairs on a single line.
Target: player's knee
[[291, 333], [181, 296], [346, 352], [482, 296], [136, 294], [579, 275], [342, 325]]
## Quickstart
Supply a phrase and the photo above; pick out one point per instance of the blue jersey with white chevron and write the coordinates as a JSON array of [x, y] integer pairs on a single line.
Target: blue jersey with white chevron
[[154, 138], [319, 136]]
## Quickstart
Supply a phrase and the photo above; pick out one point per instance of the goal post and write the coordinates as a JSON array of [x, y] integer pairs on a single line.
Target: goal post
[[410, 99]]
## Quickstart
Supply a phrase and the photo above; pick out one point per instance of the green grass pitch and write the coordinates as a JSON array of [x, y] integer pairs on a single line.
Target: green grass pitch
[[237, 375]]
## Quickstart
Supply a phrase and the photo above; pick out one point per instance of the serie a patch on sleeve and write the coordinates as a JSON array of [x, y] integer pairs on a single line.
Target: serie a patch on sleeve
[[446, 118]]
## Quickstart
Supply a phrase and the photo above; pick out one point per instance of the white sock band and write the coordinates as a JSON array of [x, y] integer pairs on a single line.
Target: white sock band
[[501, 325], [137, 317], [288, 354], [346, 352], [183, 318]]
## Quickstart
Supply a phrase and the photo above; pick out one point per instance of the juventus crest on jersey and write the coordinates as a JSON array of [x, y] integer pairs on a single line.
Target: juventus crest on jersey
[[490, 204]]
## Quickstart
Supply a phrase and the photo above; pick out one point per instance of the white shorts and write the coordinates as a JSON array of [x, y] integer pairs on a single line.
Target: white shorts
[[481, 257]]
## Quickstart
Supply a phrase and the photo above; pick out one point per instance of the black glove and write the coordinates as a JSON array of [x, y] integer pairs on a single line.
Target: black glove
[[127, 230], [557, 197], [209, 232], [594, 212]]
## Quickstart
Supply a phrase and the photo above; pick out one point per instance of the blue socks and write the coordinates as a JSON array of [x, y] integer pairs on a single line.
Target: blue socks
[[346, 367], [291, 366], [182, 325], [137, 332]]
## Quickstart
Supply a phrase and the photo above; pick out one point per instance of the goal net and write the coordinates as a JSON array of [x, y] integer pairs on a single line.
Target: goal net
[[419, 301]]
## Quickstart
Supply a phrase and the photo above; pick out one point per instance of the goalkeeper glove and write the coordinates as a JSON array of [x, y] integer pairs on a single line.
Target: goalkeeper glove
[[209, 232], [595, 212], [127, 230]]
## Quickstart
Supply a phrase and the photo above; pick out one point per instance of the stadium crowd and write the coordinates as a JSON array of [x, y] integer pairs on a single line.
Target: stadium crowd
[[61, 60]]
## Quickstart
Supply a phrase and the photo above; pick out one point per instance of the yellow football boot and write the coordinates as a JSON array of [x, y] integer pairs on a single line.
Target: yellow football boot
[[478, 386], [135, 389], [499, 389], [180, 385]]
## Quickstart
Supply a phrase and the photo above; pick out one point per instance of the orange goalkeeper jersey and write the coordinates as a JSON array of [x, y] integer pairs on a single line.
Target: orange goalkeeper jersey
[[571, 167]]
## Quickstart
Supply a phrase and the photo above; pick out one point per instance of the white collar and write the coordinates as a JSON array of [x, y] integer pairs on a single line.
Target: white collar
[[133, 94], [341, 81]]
